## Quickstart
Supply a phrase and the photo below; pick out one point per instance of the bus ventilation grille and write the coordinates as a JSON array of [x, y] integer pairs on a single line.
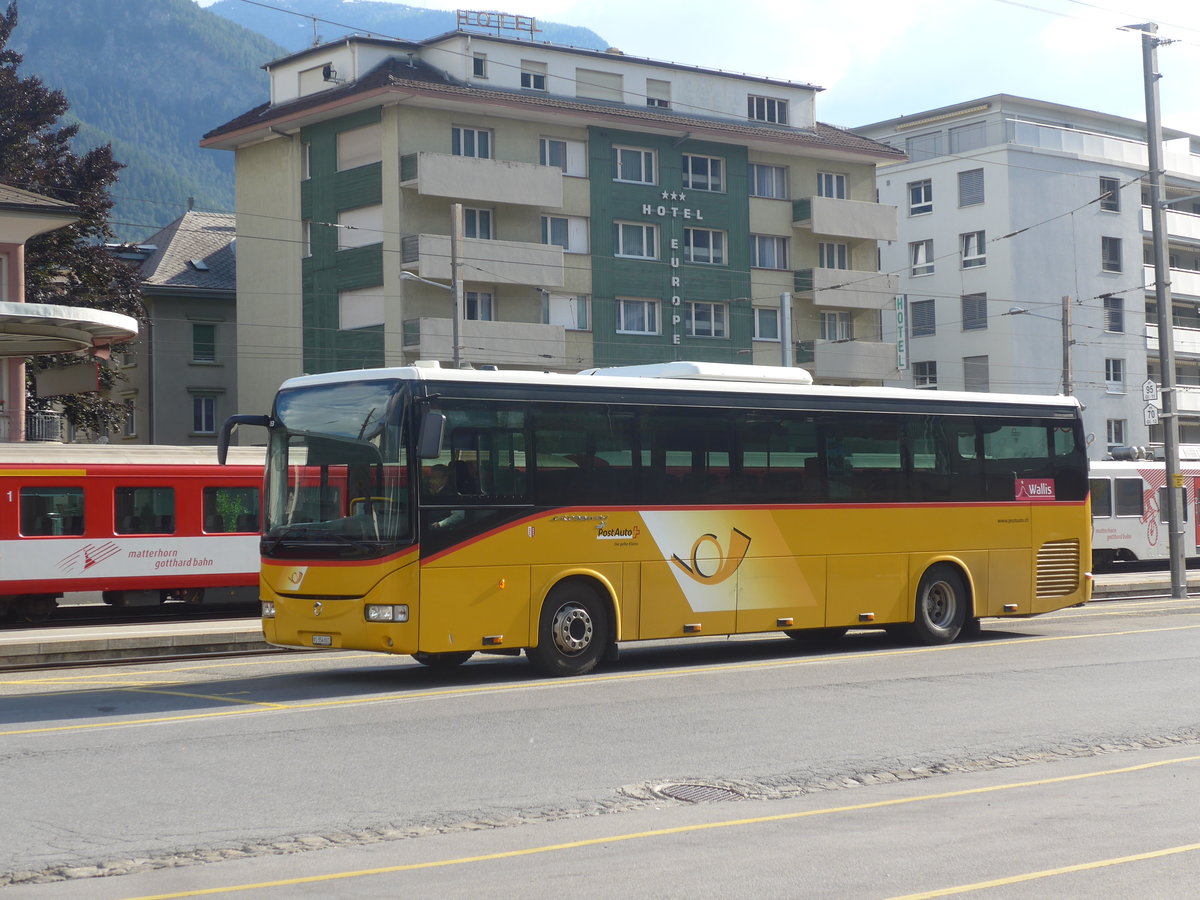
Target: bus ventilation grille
[[1058, 568]]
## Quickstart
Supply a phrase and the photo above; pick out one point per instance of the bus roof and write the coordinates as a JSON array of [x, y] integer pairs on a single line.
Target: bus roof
[[698, 377]]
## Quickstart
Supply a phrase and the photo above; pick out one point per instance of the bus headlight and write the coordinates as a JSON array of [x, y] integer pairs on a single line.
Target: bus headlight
[[268, 609], [378, 612]]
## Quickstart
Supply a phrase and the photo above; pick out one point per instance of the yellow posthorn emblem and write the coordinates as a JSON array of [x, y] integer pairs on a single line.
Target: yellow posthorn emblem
[[726, 565]]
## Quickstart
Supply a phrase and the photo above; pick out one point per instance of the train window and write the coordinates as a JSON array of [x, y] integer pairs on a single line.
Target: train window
[[1101, 498], [144, 510], [230, 509], [51, 510], [1129, 497], [1162, 504]]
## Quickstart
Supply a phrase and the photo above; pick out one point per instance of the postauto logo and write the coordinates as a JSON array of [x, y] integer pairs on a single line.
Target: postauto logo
[[722, 564]]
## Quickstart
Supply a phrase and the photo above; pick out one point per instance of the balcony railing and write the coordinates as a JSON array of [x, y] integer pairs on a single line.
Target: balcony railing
[[44, 426]]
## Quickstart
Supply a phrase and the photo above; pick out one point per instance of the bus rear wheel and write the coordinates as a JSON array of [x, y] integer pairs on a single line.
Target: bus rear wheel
[[572, 632], [443, 660], [941, 607]]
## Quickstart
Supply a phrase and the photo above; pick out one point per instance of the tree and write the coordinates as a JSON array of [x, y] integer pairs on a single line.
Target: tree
[[69, 266]]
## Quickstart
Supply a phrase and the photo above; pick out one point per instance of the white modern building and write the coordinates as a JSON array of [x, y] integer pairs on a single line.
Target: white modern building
[[1024, 257]]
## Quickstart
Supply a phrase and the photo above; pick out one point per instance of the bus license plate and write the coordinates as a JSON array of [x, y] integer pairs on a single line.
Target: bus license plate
[[322, 640]]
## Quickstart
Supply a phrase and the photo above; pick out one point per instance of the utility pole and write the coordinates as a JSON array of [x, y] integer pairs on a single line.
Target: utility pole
[[1068, 385], [456, 285], [785, 330], [1162, 296]]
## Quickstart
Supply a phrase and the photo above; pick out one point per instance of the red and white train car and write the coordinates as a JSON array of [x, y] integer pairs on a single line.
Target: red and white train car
[[141, 524], [1129, 510]]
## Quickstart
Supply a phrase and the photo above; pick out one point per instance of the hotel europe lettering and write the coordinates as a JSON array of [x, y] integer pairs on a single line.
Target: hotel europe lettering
[[663, 211]]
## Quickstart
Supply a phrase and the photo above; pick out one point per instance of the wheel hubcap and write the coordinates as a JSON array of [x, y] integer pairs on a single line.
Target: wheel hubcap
[[940, 605], [572, 628]]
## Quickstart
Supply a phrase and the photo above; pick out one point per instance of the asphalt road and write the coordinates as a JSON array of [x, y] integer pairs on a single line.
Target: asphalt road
[[1057, 756]]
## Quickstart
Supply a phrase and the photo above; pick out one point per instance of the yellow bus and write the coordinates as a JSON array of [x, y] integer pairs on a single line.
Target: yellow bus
[[441, 513]]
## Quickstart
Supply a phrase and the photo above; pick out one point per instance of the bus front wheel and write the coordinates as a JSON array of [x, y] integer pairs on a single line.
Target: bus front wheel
[[941, 606], [572, 632]]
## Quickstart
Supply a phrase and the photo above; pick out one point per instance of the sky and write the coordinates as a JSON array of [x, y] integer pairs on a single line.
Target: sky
[[892, 59]]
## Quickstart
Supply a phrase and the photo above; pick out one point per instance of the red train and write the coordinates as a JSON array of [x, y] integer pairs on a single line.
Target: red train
[[141, 524]]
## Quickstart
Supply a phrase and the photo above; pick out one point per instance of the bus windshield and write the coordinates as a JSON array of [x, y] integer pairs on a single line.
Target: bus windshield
[[337, 483]]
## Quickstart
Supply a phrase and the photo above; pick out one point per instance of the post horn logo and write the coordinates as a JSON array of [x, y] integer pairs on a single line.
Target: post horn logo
[[726, 564]]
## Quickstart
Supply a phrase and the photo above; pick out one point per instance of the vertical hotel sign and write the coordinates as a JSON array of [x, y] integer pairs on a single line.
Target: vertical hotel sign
[[901, 332], [665, 211]]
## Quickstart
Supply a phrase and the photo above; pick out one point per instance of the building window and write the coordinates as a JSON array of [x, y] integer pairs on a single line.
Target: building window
[[970, 187], [359, 146], [1110, 254], [658, 93], [204, 342], [974, 312], [479, 65], [129, 405], [305, 161], [571, 311], [306, 238], [706, 319], [920, 197], [360, 227], [972, 247], [921, 255], [768, 252], [635, 240], [637, 316], [633, 164], [533, 75], [833, 255], [477, 223], [204, 414], [1116, 436], [832, 185], [479, 306], [596, 85], [768, 181], [570, 156], [835, 325], [1114, 376], [568, 232], [704, 245], [360, 308], [1114, 314], [925, 375], [921, 314], [766, 323], [1110, 194], [703, 173], [975, 373], [766, 109], [476, 142]]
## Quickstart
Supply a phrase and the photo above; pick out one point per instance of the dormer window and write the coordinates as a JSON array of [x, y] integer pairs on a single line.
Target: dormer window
[[533, 75], [767, 109]]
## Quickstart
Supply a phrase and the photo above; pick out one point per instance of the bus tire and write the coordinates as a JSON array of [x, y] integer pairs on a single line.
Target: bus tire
[[443, 660], [941, 606], [573, 632]]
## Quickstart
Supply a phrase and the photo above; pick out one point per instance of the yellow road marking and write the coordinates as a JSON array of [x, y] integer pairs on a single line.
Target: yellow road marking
[[711, 826]]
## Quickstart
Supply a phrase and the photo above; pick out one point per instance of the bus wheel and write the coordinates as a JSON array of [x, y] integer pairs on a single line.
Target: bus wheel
[[941, 607], [572, 632], [817, 637], [443, 660]]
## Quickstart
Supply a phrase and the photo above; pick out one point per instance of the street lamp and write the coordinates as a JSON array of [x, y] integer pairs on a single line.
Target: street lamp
[[412, 276]]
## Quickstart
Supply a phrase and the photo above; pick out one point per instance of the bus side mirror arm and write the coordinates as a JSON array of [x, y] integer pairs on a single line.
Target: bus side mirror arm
[[429, 439], [227, 431]]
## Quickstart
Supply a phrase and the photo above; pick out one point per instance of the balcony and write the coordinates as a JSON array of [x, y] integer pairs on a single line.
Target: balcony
[[1187, 399], [482, 180], [1181, 226], [39, 426], [846, 218], [489, 262], [849, 360], [509, 344], [1187, 340], [847, 288], [1183, 281]]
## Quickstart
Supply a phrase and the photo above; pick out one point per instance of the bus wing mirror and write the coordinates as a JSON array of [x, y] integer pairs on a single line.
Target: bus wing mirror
[[227, 431], [429, 441]]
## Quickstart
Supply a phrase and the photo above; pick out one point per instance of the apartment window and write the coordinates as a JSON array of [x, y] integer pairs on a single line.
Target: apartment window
[[596, 85], [704, 245], [1110, 254], [921, 316], [921, 255], [568, 232], [766, 109], [636, 240], [359, 146], [768, 181], [920, 197], [633, 164], [970, 187], [706, 319], [479, 65], [477, 223], [1116, 438], [1110, 194], [476, 142], [925, 375], [571, 311], [361, 308], [1114, 314], [975, 373], [1114, 376], [833, 255], [204, 414], [974, 312], [129, 405], [570, 156], [831, 184], [766, 323], [480, 306], [306, 238], [703, 173], [533, 75], [360, 227], [658, 93], [835, 325], [305, 161], [637, 316], [204, 342], [768, 251], [973, 254]]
